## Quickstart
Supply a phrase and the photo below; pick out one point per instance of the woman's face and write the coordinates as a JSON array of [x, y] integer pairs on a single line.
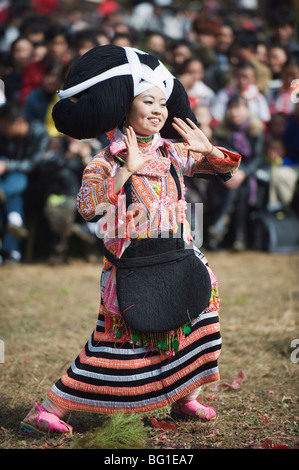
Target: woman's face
[[148, 112]]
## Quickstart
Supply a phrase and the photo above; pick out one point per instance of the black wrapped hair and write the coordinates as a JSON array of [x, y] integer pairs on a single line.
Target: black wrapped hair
[[103, 106]]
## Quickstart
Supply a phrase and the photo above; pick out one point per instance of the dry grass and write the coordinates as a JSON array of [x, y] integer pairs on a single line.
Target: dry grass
[[47, 314]]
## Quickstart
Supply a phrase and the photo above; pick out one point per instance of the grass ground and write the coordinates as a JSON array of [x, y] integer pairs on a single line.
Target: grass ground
[[47, 314]]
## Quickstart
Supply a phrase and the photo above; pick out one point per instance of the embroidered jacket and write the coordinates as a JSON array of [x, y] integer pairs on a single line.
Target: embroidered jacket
[[153, 185], [154, 192]]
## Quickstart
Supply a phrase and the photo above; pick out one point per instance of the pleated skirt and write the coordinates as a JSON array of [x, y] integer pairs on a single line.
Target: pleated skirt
[[110, 376]]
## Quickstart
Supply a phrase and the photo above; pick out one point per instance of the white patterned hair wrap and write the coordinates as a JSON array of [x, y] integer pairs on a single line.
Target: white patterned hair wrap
[[143, 76]]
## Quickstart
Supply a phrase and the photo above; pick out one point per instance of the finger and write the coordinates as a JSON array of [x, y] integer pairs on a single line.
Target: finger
[[180, 129], [182, 124], [192, 124], [183, 133]]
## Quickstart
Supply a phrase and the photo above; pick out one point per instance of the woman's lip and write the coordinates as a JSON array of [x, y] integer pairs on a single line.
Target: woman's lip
[[154, 120]]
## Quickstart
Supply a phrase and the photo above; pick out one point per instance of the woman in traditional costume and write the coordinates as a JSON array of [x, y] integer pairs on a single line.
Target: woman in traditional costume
[[145, 112]]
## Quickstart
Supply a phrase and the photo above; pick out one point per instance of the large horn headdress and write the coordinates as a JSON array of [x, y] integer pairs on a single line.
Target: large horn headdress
[[102, 84]]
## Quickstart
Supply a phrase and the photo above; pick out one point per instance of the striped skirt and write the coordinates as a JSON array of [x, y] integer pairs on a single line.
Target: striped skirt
[[112, 375]]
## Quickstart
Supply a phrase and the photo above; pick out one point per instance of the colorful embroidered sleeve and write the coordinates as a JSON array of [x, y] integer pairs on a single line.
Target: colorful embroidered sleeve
[[97, 188], [196, 164]]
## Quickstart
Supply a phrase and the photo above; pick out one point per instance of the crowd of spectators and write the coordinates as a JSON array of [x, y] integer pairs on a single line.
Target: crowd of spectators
[[239, 63]]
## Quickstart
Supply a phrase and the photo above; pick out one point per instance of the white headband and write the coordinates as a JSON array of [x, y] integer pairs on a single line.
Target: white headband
[[143, 77]]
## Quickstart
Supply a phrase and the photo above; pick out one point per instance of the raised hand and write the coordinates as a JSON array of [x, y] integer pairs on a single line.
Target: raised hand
[[134, 160], [193, 136]]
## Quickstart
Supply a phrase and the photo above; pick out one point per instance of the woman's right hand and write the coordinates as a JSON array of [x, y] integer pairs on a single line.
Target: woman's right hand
[[134, 159]]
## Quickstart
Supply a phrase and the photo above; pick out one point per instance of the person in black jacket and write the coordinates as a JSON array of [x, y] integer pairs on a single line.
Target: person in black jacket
[[239, 131], [22, 145]]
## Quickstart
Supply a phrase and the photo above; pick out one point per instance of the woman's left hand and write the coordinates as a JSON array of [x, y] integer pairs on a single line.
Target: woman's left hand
[[195, 138]]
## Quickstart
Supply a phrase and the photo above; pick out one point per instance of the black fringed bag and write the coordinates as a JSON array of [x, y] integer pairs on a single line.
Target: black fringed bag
[[161, 285]]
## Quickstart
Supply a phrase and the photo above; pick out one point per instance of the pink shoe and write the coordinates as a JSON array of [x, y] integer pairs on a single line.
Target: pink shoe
[[40, 422], [193, 409]]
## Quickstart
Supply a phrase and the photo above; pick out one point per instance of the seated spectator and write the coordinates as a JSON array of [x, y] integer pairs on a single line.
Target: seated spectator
[[277, 125], [280, 99], [83, 41], [59, 177], [244, 85], [291, 137], [40, 51], [282, 30], [181, 51], [156, 44], [217, 73], [243, 132], [261, 52], [38, 101], [279, 179], [206, 26], [204, 118], [22, 145], [192, 79], [58, 45], [277, 58], [244, 49], [34, 27], [197, 187], [21, 54], [122, 40], [2, 93], [103, 37]]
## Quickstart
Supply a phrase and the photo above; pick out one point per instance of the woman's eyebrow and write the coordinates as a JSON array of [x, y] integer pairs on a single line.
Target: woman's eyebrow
[[150, 96]]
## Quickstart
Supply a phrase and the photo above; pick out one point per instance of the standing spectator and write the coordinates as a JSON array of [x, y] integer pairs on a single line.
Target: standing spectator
[[22, 145], [239, 130], [244, 85]]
